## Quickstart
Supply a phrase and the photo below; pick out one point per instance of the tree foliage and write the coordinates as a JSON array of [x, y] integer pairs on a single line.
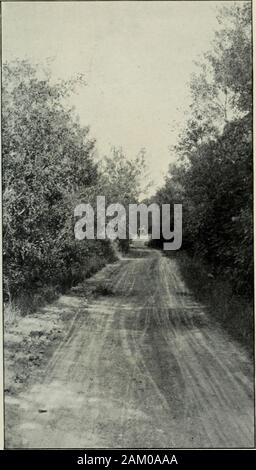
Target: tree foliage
[[48, 168], [47, 160], [213, 175], [123, 181]]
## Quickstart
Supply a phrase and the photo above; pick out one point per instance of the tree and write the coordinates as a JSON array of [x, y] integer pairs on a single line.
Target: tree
[[123, 181], [47, 161], [221, 90], [213, 175]]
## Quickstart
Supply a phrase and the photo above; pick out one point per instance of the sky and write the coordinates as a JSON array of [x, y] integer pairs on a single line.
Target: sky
[[137, 58]]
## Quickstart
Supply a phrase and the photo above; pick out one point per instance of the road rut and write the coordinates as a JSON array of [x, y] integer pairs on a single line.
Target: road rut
[[145, 367]]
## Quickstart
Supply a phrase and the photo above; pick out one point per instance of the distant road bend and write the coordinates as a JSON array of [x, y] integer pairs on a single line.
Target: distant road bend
[[145, 367]]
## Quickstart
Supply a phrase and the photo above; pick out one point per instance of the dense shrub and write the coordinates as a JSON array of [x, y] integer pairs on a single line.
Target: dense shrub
[[213, 177], [48, 168], [47, 162]]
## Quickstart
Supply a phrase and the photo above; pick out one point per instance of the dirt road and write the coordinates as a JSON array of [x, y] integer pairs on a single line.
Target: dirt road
[[144, 367]]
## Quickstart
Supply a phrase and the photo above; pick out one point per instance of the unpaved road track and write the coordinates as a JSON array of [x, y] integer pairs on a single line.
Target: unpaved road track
[[145, 367]]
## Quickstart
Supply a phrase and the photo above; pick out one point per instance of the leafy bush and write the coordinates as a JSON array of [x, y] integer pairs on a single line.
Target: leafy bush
[[213, 178], [47, 162], [233, 312]]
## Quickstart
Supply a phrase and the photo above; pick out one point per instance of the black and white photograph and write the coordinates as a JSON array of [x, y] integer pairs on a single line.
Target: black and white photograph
[[127, 226]]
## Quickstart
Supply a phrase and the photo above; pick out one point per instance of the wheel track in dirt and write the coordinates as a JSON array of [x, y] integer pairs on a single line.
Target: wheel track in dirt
[[144, 367]]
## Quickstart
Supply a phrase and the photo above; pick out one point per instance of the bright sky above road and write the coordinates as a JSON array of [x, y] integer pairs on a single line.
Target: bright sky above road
[[137, 58]]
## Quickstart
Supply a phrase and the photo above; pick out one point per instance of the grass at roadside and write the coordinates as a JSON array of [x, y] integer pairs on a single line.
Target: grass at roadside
[[233, 312], [33, 298]]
